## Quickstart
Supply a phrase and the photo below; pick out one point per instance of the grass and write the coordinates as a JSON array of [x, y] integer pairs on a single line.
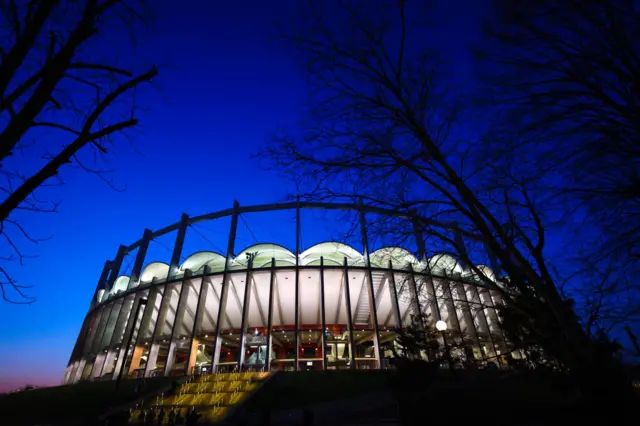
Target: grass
[[503, 394], [297, 389], [71, 404], [78, 403], [492, 394]]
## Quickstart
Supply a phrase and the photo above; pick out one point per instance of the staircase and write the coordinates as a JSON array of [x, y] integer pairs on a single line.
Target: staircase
[[361, 317], [213, 397], [363, 307]]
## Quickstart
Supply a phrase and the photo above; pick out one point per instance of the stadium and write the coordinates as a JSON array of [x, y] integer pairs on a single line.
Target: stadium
[[325, 307]]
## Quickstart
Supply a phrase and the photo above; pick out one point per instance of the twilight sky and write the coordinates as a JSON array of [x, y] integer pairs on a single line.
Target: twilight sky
[[226, 84]]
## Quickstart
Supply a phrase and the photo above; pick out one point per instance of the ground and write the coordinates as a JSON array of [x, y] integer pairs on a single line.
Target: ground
[[348, 398], [71, 404]]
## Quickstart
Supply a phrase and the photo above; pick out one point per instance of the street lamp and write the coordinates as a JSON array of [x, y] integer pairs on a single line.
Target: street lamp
[[441, 326]]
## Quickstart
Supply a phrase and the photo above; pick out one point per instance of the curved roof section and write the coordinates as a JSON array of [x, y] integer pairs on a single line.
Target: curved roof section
[[154, 270], [486, 271], [216, 265], [263, 255], [332, 252], [197, 261], [400, 257], [443, 264], [120, 284]]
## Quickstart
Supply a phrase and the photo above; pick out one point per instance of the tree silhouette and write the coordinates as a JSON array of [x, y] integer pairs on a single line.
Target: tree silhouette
[[563, 77], [378, 129], [58, 84]]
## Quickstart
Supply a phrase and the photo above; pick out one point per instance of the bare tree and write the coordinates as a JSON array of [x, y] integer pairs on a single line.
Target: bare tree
[[60, 80], [379, 128], [609, 298], [565, 76]]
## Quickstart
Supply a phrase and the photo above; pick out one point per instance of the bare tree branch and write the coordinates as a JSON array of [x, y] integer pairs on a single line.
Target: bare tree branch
[[379, 129], [50, 79]]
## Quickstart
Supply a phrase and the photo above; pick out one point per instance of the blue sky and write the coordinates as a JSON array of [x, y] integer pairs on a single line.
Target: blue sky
[[224, 86]]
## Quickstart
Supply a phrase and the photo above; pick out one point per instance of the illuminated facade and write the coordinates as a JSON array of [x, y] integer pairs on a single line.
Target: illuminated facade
[[329, 306]]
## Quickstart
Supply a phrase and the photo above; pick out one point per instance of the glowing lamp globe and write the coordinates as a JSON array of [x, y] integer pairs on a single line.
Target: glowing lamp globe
[[441, 325]]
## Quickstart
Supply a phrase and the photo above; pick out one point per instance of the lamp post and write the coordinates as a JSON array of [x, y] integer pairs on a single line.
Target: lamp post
[[441, 326]]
